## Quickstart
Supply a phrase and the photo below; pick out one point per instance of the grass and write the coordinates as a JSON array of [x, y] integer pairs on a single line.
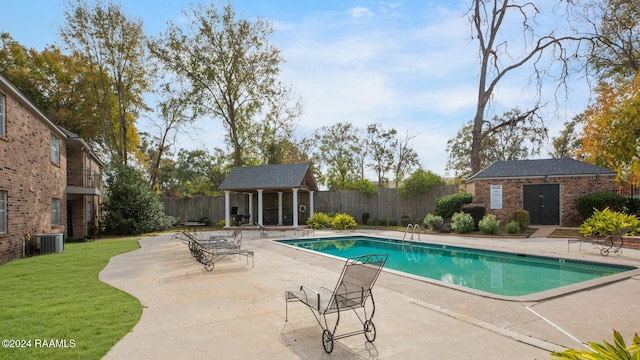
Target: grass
[[59, 297]]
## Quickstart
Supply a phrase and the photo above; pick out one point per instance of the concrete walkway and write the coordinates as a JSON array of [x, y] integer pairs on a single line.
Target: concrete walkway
[[238, 311]]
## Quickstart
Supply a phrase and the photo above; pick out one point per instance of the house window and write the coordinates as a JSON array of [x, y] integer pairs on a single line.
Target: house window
[[3, 212], [3, 115], [55, 149], [55, 212]]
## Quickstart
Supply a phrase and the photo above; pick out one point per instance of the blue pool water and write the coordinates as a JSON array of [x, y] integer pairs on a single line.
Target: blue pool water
[[489, 271]]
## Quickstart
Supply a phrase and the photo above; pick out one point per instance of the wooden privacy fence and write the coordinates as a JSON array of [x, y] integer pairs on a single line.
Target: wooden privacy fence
[[386, 204]]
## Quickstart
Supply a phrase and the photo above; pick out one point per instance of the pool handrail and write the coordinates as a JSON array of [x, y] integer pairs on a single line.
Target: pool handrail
[[413, 228]]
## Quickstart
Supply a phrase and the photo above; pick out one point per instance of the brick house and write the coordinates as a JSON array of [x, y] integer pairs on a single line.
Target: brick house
[[44, 185], [547, 188]]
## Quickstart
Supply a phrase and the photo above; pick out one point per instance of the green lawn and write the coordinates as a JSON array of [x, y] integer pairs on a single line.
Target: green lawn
[[59, 297]]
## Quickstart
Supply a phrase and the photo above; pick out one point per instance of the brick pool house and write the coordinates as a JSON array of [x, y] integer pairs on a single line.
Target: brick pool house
[[50, 181], [547, 188]]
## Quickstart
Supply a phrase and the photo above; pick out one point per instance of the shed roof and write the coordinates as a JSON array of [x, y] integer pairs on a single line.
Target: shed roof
[[270, 177], [539, 168]]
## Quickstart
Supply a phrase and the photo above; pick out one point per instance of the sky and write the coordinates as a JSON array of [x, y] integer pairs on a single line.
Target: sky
[[408, 65]]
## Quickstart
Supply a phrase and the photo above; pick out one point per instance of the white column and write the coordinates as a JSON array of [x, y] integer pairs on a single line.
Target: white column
[[227, 209], [250, 208], [279, 207], [311, 203], [260, 207], [295, 207]]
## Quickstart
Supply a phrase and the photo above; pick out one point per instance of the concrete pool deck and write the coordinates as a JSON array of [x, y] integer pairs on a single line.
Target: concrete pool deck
[[238, 312]]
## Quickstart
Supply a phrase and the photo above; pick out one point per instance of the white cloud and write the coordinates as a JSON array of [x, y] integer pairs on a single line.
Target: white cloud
[[360, 12]]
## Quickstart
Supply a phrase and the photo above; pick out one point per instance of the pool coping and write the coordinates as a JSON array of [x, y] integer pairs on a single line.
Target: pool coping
[[535, 297]]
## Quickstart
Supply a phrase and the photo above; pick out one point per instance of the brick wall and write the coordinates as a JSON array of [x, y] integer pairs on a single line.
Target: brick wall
[[571, 188], [28, 176], [84, 171], [75, 167]]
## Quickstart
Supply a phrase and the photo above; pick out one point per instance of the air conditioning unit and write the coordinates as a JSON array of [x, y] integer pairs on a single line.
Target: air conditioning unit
[[50, 243]]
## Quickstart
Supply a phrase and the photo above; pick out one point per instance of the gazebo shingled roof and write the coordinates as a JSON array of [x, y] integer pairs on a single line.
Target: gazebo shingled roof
[[270, 178]]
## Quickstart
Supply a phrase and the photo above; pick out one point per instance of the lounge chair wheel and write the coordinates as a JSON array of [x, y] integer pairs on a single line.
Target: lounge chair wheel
[[604, 252], [327, 341], [369, 331], [209, 266]]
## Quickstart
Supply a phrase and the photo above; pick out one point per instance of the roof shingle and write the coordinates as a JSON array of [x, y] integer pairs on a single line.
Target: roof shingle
[[270, 177], [539, 168]]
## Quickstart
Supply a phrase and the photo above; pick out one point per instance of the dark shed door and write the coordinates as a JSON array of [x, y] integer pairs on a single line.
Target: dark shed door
[[542, 201]]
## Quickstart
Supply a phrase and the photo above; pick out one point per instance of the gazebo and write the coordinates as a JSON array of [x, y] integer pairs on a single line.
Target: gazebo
[[274, 180]]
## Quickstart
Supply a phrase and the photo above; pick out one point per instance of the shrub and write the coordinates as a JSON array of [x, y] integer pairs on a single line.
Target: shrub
[[448, 205], [489, 224], [365, 218], [319, 220], [383, 222], [462, 223], [343, 222], [433, 222], [600, 201], [419, 183], [633, 206], [476, 211], [513, 227], [363, 186], [617, 350], [405, 221], [131, 206], [393, 222], [522, 217], [606, 222]]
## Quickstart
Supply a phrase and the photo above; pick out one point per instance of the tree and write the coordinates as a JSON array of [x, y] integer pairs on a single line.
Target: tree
[[419, 183], [229, 63], [274, 135], [503, 140], [363, 186], [497, 58], [611, 133], [114, 47], [337, 146], [381, 144], [611, 127], [361, 153], [405, 158], [568, 142], [615, 50], [131, 206], [199, 173], [55, 83], [18, 64], [173, 116]]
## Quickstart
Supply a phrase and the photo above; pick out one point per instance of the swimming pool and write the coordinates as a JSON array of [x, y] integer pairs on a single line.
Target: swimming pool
[[488, 271]]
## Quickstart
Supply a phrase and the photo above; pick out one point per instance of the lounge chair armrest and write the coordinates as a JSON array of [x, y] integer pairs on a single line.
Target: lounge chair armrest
[[310, 295]]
